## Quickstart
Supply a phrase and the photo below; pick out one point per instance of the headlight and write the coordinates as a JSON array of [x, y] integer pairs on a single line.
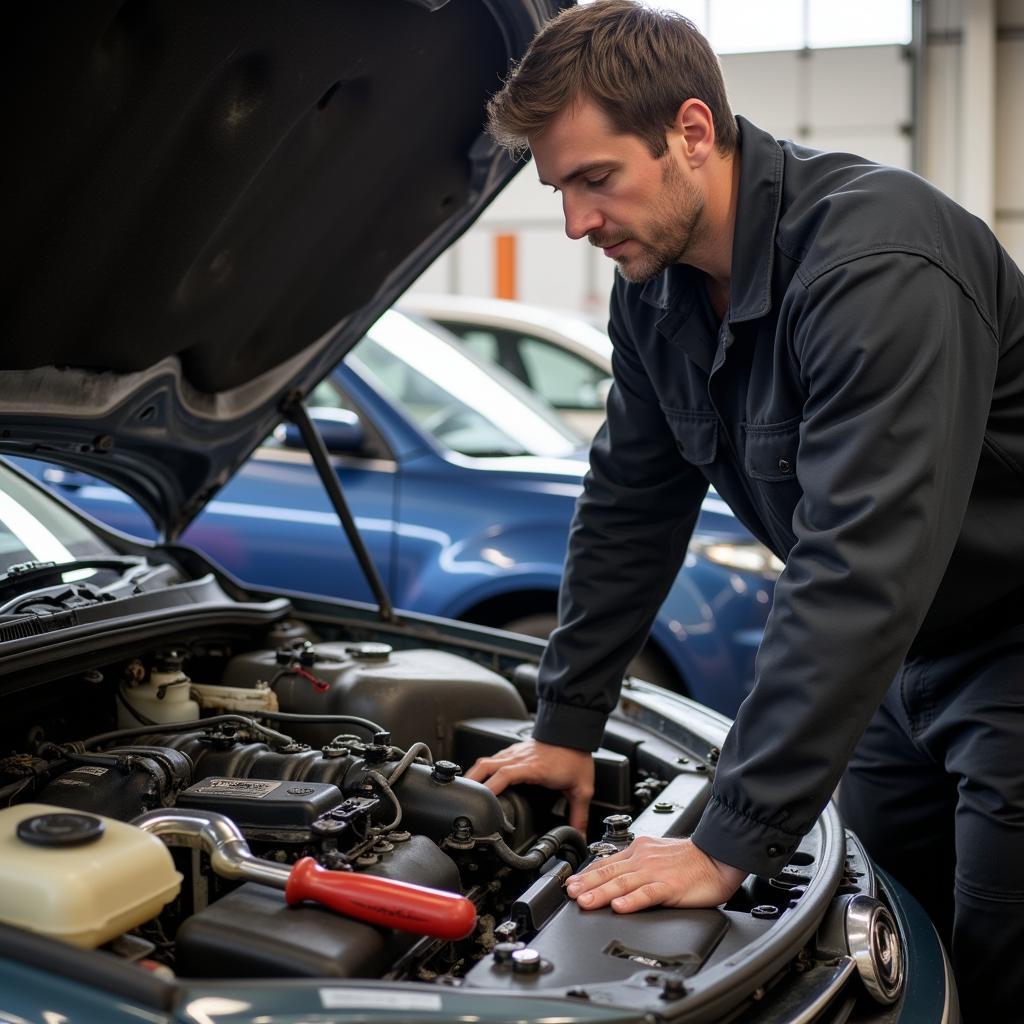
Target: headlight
[[747, 556]]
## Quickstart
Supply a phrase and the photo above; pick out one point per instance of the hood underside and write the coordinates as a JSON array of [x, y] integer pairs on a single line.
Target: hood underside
[[210, 203]]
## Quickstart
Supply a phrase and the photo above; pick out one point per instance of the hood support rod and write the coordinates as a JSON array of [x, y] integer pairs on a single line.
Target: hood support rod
[[295, 410]]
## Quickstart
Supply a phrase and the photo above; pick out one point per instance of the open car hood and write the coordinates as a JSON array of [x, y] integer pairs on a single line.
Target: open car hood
[[211, 202]]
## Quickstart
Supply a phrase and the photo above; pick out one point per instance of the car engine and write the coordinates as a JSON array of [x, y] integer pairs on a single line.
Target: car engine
[[346, 753]]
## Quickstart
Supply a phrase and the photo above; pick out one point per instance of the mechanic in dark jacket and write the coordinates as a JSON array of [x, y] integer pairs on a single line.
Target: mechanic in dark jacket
[[839, 349]]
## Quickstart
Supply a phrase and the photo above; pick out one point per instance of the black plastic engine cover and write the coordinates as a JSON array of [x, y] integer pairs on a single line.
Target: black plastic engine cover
[[252, 932], [263, 803]]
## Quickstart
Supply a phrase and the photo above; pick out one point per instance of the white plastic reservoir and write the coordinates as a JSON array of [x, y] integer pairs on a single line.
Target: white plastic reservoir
[[82, 878]]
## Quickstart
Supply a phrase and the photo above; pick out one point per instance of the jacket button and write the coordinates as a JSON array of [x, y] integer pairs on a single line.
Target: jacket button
[[785, 466], [773, 850]]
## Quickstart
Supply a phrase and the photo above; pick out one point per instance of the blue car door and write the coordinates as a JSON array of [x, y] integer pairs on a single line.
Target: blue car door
[[273, 524]]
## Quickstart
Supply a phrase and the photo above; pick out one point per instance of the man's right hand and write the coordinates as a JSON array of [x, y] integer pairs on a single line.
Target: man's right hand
[[562, 768]]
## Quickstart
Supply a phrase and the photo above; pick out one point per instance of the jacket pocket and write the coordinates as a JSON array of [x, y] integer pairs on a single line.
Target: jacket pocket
[[770, 450], [696, 434]]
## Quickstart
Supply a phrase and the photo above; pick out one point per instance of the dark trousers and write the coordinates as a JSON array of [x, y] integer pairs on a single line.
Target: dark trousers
[[935, 790]]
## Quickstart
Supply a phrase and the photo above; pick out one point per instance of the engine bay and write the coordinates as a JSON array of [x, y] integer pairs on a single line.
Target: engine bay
[[183, 788]]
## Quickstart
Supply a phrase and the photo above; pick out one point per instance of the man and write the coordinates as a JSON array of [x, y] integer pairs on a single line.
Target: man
[[839, 349]]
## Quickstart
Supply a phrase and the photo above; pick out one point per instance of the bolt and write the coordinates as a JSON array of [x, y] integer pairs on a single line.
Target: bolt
[[526, 961], [700, 768], [503, 951], [673, 988], [714, 754], [664, 807], [616, 826], [445, 771]]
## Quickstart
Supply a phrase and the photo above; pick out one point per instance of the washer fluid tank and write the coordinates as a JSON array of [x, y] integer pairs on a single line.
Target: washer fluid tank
[[81, 878], [166, 696]]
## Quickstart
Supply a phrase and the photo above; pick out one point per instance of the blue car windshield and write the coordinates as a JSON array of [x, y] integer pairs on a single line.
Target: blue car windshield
[[466, 405]]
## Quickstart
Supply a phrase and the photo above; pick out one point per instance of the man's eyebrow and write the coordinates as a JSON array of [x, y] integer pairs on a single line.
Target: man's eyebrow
[[581, 170]]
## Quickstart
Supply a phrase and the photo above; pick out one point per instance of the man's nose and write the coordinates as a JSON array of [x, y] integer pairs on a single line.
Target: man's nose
[[581, 217]]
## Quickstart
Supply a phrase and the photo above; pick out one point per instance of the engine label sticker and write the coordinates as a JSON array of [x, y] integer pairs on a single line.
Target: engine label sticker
[[90, 769], [245, 789], [357, 998]]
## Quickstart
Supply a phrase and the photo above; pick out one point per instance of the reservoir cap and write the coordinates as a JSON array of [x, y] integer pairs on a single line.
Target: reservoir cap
[[60, 829]]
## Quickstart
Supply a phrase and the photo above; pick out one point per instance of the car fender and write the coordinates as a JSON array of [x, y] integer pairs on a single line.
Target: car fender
[[488, 564]]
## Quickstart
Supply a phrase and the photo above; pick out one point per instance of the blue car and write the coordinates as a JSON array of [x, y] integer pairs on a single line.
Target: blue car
[[462, 484]]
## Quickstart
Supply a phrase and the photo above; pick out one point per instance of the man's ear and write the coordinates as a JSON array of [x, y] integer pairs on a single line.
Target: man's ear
[[694, 131]]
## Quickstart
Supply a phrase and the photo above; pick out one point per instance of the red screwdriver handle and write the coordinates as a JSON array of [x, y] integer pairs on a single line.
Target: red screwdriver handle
[[383, 901]]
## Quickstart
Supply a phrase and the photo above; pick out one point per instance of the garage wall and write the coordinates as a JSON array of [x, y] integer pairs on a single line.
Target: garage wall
[[974, 84], [859, 99]]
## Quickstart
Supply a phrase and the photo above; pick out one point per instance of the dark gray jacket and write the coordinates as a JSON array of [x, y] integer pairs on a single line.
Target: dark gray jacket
[[861, 409]]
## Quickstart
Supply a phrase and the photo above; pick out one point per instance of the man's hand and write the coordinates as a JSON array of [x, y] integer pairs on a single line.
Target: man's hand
[[652, 872], [571, 771]]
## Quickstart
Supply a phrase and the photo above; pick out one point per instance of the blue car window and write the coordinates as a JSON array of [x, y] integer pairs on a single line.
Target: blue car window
[[466, 406]]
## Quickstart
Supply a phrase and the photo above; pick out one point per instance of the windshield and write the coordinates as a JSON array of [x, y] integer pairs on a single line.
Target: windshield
[[466, 405], [35, 528]]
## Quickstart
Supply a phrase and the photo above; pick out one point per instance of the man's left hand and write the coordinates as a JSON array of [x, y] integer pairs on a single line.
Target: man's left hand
[[652, 872]]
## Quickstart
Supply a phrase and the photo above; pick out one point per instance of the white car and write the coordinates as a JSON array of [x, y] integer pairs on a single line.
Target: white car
[[561, 356]]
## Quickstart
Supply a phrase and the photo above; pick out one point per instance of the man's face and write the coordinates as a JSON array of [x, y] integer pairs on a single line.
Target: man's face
[[643, 211]]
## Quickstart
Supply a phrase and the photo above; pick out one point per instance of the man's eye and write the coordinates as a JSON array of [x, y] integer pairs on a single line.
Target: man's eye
[[597, 182]]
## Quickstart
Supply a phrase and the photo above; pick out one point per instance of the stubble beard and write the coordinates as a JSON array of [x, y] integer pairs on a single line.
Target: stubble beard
[[672, 229]]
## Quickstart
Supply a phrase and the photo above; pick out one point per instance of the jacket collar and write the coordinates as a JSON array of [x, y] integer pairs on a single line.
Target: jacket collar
[[753, 245]]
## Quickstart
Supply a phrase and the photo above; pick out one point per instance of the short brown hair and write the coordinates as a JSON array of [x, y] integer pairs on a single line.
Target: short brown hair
[[637, 64]]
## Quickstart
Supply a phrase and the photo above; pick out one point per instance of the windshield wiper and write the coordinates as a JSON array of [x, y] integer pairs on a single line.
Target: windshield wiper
[[33, 572]]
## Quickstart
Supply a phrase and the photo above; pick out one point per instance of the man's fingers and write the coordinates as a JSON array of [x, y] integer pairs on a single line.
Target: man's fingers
[[620, 887], [597, 874], [508, 775], [651, 894], [579, 806]]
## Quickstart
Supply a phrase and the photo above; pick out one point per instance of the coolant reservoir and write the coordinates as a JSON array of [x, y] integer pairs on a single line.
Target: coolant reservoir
[[78, 877], [417, 694], [164, 697]]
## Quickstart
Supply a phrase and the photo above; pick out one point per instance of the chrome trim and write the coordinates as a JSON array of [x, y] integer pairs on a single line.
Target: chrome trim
[[793, 1011], [297, 457]]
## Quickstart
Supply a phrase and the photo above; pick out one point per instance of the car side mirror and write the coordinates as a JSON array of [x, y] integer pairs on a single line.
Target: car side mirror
[[341, 430]]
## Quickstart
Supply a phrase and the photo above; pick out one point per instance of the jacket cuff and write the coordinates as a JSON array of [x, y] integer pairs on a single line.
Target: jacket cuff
[[734, 838], [569, 725]]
